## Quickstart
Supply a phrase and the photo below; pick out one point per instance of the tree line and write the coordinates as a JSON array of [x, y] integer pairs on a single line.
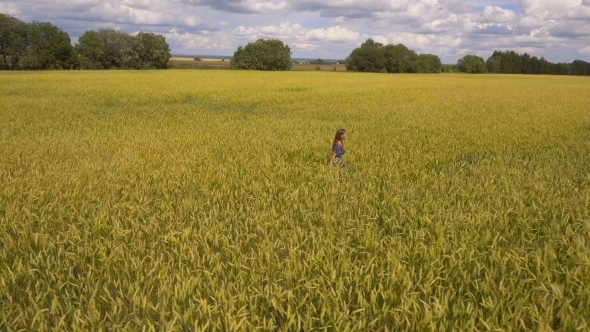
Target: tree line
[[42, 45], [378, 58], [273, 54], [510, 62]]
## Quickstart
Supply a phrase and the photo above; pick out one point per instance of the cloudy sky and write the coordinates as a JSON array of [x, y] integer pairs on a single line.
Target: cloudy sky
[[559, 30]]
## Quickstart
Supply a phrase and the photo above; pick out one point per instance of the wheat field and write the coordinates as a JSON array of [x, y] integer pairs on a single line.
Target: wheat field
[[201, 201]]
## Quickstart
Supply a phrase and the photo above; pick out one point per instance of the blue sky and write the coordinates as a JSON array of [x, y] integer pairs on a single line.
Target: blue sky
[[559, 30]]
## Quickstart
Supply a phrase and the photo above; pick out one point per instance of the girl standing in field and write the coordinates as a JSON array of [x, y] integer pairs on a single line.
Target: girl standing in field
[[338, 150]]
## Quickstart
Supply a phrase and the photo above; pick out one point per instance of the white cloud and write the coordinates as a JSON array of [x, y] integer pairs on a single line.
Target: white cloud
[[306, 47], [534, 22], [579, 13], [419, 41], [584, 50], [283, 30], [140, 4], [497, 15], [203, 40], [10, 9], [126, 12], [242, 6], [437, 26], [547, 8], [301, 38], [575, 29], [333, 34]]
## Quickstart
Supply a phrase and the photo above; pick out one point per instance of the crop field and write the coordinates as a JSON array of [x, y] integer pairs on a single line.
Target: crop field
[[189, 63], [201, 201]]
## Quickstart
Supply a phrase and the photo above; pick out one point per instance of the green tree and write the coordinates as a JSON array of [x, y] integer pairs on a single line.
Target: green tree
[[379, 58], [49, 47], [120, 50], [563, 69], [580, 67], [399, 59], [153, 50], [89, 52], [472, 64], [320, 62], [108, 48], [428, 63], [263, 54], [13, 41], [492, 65], [526, 63], [367, 58]]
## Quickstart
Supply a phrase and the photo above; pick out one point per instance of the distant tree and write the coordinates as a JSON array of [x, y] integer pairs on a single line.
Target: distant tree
[[378, 58], [109, 48], [563, 69], [49, 47], [89, 52], [197, 59], [428, 63], [367, 58], [492, 65], [263, 54], [153, 50], [471, 64], [547, 67], [320, 62], [510, 62], [13, 41], [399, 59], [120, 50], [579, 67], [447, 68], [526, 64], [106, 49], [42, 45]]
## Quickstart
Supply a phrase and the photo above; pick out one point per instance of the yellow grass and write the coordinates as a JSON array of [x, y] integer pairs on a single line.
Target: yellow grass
[[200, 201]]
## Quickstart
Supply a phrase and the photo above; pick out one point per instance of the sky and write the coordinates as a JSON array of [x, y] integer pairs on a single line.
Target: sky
[[559, 30]]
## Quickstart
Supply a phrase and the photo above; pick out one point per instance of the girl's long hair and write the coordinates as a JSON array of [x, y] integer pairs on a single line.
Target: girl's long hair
[[338, 137]]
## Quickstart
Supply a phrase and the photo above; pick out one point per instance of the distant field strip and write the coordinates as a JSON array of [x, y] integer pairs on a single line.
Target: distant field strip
[[192, 59], [201, 200]]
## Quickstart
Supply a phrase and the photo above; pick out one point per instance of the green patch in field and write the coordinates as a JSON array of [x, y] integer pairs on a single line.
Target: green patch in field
[[585, 131], [296, 89], [470, 159], [112, 103], [466, 161], [201, 102]]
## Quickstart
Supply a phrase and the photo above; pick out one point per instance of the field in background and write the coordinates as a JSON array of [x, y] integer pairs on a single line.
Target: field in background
[[192, 60], [200, 200], [189, 63]]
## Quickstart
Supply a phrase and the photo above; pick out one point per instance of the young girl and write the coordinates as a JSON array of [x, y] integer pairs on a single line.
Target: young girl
[[338, 150]]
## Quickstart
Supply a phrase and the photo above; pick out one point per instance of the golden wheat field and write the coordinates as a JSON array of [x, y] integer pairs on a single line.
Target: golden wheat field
[[201, 201]]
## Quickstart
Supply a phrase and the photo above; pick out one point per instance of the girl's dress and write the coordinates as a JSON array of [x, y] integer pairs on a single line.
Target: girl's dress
[[339, 150]]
